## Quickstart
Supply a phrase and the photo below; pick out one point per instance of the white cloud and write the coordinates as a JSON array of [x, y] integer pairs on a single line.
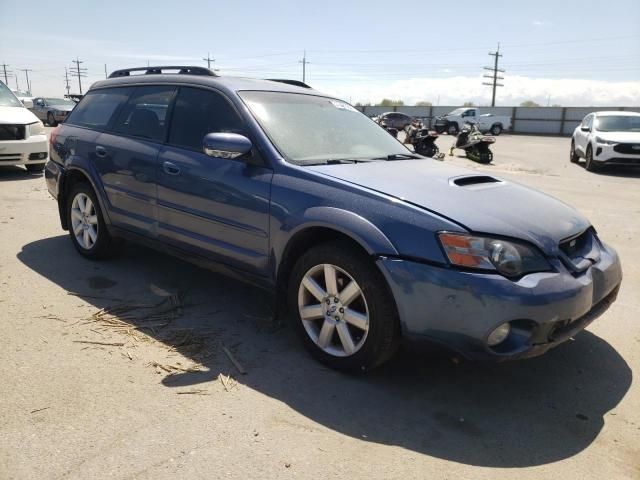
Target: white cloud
[[456, 90], [541, 23]]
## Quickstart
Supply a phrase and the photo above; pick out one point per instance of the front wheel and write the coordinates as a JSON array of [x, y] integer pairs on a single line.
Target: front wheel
[[86, 224], [51, 121], [590, 164], [342, 307], [452, 129], [573, 156]]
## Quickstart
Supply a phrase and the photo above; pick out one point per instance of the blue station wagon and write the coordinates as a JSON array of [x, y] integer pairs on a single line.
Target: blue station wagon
[[363, 242]]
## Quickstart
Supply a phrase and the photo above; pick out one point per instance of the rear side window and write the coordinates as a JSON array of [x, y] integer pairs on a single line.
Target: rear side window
[[97, 107], [198, 112], [145, 114]]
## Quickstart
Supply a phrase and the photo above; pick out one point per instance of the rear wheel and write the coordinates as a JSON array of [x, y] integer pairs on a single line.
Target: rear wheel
[[590, 164], [573, 156], [86, 224], [496, 129], [342, 307]]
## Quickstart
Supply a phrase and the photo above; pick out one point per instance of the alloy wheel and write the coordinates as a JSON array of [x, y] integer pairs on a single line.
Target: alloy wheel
[[84, 221], [333, 310]]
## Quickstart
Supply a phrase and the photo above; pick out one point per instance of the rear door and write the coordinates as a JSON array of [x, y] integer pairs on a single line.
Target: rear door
[[126, 157], [212, 206]]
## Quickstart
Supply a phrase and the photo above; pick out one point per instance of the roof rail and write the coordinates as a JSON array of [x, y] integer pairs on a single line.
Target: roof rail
[[182, 70], [296, 83]]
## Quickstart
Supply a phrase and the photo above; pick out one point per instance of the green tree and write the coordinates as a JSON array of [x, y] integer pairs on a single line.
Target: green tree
[[468, 104], [529, 103], [423, 104], [387, 102]]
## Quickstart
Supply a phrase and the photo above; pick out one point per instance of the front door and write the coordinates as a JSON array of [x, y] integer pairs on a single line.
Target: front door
[[212, 206]]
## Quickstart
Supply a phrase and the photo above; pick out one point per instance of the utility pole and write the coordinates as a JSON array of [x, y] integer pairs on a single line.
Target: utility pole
[[6, 74], [80, 72], [26, 73], [209, 60], [304, 66], [105, 71], [494, 76], [66, 80]]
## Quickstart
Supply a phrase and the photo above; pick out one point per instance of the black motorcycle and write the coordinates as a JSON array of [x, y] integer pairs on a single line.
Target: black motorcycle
[[474, 143], [422, 139]]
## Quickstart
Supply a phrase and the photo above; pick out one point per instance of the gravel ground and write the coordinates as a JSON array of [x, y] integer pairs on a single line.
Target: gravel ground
[[155, 395]]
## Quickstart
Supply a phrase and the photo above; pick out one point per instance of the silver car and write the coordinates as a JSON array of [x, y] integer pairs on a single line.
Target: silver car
[[52, 110]]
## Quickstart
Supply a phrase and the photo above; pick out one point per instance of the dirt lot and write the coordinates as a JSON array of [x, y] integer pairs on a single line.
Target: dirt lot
[[144, 393]]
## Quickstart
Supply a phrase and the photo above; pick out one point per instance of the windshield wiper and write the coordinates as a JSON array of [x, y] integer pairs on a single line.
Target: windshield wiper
[[337, 161], [399, 156]]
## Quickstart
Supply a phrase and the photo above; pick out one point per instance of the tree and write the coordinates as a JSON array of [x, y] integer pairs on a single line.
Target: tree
[[423, 104], [529, 103], [556, 105], [387, 102], [468, 104]]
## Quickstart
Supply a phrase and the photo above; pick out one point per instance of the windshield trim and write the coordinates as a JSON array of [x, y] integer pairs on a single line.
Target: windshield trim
[[316, 95]]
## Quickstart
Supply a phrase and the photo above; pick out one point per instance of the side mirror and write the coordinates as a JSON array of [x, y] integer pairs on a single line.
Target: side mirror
[[27, 103], [226, 145], [585, 129]]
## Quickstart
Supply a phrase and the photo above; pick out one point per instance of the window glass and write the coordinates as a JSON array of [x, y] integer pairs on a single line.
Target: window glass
[[7, 98], [145, 113], [198, 112], [97, 107]]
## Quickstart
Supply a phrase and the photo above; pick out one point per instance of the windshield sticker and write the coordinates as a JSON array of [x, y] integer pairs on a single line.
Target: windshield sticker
[[343, 106]]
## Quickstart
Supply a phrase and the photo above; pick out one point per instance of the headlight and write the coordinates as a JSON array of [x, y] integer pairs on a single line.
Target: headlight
[[36, 129], [508, 258], [602, 141]]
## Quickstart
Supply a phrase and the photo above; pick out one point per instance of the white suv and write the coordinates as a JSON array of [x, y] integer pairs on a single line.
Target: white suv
[[23, 140], [607, 138]]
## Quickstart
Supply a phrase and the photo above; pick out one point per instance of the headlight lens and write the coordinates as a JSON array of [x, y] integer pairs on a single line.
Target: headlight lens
[[36, 129], [508, 258], [602, 141]]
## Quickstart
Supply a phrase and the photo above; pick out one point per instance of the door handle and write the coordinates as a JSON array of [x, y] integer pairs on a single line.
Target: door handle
[[101, 151], [170, 169]]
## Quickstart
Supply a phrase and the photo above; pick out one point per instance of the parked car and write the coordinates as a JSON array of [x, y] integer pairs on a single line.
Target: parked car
[[607, 138], [395, 120], [52, 110], [22, 137], [363, 242], [25, 97], [453, 121]]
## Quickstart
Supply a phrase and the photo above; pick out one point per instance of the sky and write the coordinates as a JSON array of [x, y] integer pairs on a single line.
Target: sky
[[570, 53]]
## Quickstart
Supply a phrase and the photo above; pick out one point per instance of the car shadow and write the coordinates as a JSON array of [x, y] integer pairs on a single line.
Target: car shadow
[[627, 172], [10, 173], [516, 414]]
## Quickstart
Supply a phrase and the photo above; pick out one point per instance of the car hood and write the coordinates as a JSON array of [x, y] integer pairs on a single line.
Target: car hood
[[16, 115], [62, 108], [478, 202], [621, 137]]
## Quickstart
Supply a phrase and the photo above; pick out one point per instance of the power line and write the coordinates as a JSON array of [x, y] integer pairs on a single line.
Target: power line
[[304, 63], [80, 72], [495, 76]]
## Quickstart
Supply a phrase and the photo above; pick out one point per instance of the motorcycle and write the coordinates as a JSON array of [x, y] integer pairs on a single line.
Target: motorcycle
[[474, 143], [423, 140]]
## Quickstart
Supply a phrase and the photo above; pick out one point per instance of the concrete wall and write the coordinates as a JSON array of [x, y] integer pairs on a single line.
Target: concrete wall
[[533, 120]]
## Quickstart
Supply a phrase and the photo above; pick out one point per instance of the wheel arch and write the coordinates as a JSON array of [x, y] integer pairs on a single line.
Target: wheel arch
[[72, 176]]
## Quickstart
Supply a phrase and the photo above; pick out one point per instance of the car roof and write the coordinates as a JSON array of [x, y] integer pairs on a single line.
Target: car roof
[[226, 84], [617, 113]]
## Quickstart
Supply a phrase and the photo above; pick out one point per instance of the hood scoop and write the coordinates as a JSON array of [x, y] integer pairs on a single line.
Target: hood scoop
[[474, 181]]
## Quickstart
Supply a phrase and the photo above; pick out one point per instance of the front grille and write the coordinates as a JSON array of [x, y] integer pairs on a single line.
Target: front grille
[[575, 245], [10, 157], [628, 148], [12, 132]]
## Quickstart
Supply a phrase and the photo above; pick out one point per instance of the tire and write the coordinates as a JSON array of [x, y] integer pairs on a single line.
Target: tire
[[496, 129], [51, 121], [368, 317], [35, 167], [590, 165], [452, 128], [573, 156], [103, 245]]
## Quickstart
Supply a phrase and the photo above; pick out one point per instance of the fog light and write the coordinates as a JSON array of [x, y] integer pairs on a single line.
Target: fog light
[[499, 335]]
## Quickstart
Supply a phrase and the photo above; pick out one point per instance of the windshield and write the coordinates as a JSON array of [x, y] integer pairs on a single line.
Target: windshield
[[618, 123], [457, 111], [7, 98], [58, 101], [309, 129]]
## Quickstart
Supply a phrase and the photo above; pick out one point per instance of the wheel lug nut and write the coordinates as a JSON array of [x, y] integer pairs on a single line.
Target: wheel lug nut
[[341, 310], [337, 318], [328, 301], [335, 299]]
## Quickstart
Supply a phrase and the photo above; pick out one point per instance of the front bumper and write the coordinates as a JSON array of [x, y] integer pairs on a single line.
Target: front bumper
[[460, 309], [606, 155], [22, 152]]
